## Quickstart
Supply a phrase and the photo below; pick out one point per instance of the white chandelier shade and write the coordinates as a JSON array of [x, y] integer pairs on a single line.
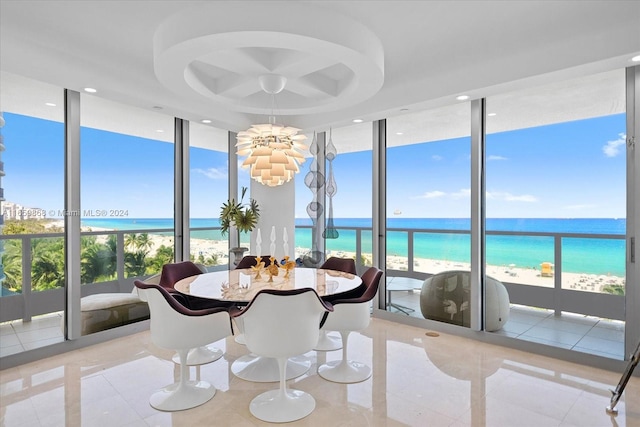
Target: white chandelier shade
[[274, 152]]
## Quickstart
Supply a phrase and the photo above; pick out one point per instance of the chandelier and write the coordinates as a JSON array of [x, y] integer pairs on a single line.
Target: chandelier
[[274, 152]]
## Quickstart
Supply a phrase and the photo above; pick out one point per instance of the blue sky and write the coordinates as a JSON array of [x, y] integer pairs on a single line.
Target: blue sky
[[567, 170]]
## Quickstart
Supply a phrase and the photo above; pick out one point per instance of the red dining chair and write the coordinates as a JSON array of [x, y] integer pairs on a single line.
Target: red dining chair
[[348, 265], [349, 315], [174, 326]]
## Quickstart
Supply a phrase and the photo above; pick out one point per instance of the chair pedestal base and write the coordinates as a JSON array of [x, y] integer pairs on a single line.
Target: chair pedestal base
[[328, 343], [180, 396], [346, 372], [276, 406], [265, 369], [200, 355]]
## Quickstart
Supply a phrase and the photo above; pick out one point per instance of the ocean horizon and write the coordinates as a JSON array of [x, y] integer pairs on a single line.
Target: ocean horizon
[[579, 255]]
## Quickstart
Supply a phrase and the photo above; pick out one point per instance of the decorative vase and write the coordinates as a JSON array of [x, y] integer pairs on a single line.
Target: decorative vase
[[238, 254]]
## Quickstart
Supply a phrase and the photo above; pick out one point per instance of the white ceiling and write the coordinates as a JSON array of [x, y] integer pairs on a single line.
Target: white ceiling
[[342, 59]]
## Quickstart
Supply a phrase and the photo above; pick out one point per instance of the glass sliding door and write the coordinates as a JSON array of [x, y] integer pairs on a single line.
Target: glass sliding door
[[556, 207], [32, 202], [208, 188], [428, 214], [127, 199]]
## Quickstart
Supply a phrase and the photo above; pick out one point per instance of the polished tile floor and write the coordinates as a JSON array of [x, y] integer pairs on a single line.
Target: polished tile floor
[[17, 336], [418, 380]]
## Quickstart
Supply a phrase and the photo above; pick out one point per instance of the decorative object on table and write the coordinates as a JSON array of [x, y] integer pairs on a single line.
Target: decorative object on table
[[258, 267], [242, 217], [258, 242], [330, 232], [288, 266], [272, 269], [272, 246], [273, 151], [314, 180], [285, 241]]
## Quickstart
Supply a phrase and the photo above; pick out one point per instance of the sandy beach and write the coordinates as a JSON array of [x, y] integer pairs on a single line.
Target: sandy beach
[[512, 274]]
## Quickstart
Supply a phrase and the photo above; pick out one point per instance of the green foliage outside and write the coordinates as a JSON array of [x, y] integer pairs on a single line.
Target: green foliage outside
[[97, 257], [613, 289]]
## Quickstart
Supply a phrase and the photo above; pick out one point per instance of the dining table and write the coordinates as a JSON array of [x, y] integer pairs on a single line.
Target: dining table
[[241, 285]]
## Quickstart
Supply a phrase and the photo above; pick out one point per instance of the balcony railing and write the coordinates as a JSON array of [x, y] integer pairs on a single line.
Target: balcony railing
[[557, 297]]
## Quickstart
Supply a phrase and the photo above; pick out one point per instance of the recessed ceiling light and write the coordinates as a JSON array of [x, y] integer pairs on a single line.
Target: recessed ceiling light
[[398, 133], [49, 104], [159, 130], [404, 110], [462, 97], [491, 114], [157, 107], [90, 90], [357, 120], [636, 58], [206, 121]]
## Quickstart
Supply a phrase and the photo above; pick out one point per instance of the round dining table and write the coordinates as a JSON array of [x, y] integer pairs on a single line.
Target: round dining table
[[241, 285]]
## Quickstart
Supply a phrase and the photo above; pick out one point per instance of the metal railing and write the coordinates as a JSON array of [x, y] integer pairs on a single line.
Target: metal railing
[[29, 303]]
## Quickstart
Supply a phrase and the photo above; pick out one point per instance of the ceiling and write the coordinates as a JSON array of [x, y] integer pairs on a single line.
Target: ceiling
[[341, 59]]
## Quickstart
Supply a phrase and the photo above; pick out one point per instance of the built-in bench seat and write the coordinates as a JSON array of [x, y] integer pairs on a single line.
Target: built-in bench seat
[[109, 310]]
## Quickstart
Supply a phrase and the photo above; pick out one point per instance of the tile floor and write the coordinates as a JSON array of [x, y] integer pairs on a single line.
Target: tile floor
[[17, 336], [417, 380], [586, 334]]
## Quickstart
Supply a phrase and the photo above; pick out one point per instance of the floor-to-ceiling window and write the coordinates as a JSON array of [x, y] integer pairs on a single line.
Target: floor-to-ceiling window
[[428, 211], [33, 211], [127, 198], [208, 188], [555, 208]]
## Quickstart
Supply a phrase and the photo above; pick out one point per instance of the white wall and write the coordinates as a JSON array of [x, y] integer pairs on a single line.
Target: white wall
[[277, 209]]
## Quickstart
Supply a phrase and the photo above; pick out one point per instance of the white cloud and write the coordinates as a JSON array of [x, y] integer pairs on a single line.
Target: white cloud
[[612, 148], [437, 157], [431, 195], [212, 173], [579, 207], [494, 157], [463, 193], [508, 197]]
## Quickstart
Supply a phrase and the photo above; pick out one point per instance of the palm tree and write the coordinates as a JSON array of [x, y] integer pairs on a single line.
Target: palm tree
[[97, 263], [131, 240], [144, 242], [134, 263], [12, 263], [47, 270], [164, 255]]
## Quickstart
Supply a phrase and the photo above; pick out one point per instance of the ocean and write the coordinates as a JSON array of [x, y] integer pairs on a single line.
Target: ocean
[[579, 255]]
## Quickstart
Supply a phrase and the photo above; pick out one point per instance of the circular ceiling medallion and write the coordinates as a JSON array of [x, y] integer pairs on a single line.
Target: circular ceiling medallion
[[328, 61]]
